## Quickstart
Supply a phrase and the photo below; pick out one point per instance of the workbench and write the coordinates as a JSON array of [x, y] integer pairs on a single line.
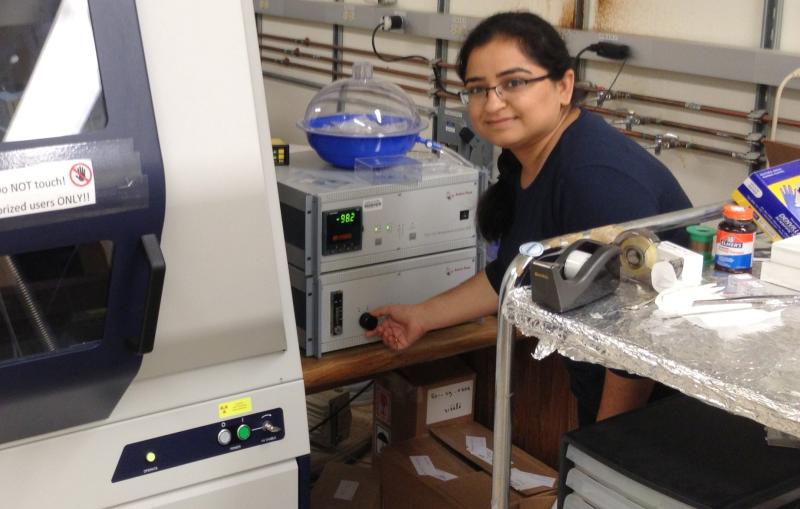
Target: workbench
[[359, 363], [753, 373], [548, 411]]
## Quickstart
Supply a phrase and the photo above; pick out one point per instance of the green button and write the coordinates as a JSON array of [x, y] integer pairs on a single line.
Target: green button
[[150, 457], [243, 432]]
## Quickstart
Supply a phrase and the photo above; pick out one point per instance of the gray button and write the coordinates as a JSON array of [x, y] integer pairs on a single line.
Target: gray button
[[224, 436]]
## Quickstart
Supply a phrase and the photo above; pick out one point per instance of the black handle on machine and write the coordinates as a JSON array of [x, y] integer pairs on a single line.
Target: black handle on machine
[[152, 303], [368, 321]]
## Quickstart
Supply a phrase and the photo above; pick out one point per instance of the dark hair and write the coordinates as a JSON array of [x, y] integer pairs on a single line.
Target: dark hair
[[540, 42], [537, 39]]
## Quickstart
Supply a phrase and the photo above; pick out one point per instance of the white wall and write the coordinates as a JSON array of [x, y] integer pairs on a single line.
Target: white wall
[[706, 178]]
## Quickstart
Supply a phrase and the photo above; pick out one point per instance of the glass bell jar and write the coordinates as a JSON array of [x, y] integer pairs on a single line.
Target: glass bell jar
[[361, 117]]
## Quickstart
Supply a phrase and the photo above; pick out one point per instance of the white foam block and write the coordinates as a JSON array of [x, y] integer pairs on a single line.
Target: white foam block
[[781, 275], [787, 252]]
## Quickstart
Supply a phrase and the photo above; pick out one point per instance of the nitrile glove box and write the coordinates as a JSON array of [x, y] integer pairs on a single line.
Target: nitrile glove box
[[774, 195]]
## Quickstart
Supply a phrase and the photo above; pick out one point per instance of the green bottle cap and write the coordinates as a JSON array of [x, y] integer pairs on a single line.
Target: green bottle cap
[[701, 233]]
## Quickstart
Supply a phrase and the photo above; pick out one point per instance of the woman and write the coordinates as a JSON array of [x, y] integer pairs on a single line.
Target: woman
[[562, 170]]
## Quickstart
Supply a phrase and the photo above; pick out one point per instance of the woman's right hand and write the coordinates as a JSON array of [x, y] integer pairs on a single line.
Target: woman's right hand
[[401, 326]]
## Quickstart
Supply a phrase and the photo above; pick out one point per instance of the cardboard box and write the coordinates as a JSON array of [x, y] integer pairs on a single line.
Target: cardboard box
[[774, 195], [321, 406], [404, 488], [407, 401], [346, 487], [454, 436], [779, 152]]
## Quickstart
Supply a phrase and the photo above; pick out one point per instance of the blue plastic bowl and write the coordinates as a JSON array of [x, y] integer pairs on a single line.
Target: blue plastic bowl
[[342, 150]]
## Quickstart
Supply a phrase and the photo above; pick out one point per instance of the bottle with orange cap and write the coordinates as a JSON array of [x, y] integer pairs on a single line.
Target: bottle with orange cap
[[736, 235]]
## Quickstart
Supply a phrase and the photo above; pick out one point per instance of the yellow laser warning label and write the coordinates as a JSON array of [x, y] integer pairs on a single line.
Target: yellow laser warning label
[[235, 407]]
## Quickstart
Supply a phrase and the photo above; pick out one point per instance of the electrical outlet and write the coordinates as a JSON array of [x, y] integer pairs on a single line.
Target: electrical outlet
[[458, 26], [348, 13]]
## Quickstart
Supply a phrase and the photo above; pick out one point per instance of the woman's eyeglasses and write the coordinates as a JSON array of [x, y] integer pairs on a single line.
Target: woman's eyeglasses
[[479, 95]]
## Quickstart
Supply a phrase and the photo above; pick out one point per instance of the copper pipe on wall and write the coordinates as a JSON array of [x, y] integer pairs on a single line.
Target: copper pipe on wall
[[650, 137], [312, 44], [288, 63], [445, 95], [644, 120], [615, 94], [618, 94], [380, 69], [587, 87], [742, 156], [783, 121]]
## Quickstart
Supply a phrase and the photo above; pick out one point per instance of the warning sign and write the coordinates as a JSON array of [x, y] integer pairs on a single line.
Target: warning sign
[[80, 174], [235, 407], [46, 187]]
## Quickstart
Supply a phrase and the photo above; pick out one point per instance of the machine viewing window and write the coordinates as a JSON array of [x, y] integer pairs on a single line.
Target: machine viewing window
[[49, 76], [53, 299]]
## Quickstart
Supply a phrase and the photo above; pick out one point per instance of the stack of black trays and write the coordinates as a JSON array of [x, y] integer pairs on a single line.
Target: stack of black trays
[[677, 453]]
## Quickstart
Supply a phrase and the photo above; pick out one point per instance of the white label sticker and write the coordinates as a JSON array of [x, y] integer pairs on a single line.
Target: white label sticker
[[477, 447], [449, 402], [373, 204], [753, 187], [346, 490], [522, 481], [424, 466], [46, 187], [443, 476], [476, 443]]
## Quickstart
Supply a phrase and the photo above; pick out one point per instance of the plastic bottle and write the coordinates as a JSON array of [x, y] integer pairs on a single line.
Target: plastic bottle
[[701, 240], [736, 236]]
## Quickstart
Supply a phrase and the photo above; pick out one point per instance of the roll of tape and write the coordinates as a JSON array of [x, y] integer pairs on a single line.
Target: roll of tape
[[575, 260], [637, 256]]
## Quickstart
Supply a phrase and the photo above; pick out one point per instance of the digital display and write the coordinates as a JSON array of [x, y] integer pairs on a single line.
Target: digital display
[[346, 217], [342, 231]]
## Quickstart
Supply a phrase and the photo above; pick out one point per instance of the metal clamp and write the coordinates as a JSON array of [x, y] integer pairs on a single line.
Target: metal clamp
[[664, 142], [753, 157], [631, 119], [603, 96], [756, 115]]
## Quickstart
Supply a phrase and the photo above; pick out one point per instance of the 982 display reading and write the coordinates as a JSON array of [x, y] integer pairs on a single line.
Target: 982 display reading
[[342, 231], [346, 217]]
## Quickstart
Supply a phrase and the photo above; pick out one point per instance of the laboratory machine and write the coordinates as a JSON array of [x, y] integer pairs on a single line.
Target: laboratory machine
[[359, 239], [367, 220], [148, 353]]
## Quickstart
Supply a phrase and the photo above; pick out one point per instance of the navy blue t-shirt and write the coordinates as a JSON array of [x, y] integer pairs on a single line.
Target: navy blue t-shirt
[[594, 176]]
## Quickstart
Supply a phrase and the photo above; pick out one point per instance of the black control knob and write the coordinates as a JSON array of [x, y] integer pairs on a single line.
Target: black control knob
[[367, 321]]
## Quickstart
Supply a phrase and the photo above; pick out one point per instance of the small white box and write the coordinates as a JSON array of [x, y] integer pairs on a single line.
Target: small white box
[[787, 251], [781, 275]]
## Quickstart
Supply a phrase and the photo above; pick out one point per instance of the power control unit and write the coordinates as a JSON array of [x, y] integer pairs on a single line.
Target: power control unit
[[353, 245]]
